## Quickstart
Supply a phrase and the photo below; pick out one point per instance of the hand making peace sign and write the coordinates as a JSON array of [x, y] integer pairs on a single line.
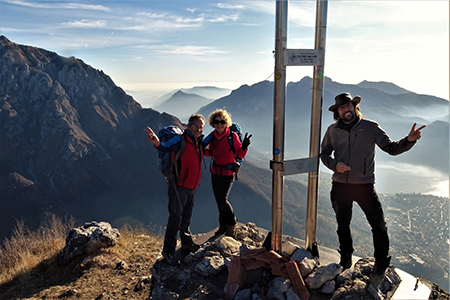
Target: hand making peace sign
[[414, 134]]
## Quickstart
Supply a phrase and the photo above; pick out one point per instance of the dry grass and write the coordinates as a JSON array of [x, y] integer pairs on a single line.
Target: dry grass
[[26, 248], [29, 266]]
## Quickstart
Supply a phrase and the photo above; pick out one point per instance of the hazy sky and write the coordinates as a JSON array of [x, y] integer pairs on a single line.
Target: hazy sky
[[158, 46]]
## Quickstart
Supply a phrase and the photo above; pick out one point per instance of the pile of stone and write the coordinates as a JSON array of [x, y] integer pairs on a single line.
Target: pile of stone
[[241, 268], [88, 239]]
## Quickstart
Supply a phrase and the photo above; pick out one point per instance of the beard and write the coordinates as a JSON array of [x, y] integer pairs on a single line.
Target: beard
[[348, 116]]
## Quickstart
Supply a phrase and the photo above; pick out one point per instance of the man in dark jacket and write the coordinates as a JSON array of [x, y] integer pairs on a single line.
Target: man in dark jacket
[[348, 149], [182, 195]]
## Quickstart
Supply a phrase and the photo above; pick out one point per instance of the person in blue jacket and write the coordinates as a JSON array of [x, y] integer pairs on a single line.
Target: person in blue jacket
[[190, 173], [348, 149]]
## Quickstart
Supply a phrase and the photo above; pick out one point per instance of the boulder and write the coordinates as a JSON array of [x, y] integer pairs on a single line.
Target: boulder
[[88, 239]]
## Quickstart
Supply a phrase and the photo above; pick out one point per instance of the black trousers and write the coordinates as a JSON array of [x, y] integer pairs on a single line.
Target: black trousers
[[180, 212], [221, 187], [342, 197]]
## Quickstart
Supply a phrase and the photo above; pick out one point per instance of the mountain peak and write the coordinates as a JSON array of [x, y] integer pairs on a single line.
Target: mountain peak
[[183, 104], [179, 93], [4, 40], [387, 87], [62, 117]]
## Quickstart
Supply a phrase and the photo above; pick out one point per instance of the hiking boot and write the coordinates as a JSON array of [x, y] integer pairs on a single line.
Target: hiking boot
[[346, 260], [381, 265], [230, 230], [170, 259], [190, 247], [222, 229]]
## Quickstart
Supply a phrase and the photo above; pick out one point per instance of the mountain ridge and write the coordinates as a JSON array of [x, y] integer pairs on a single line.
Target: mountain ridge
[[387, 87], [177, 103], [394, 113], [210, 92]]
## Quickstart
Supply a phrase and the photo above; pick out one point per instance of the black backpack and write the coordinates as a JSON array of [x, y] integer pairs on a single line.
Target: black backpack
[[235, 127]]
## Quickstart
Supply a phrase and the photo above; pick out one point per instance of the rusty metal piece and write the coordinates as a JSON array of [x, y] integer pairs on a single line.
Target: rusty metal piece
[[296, 279], [236, 277], [271, 257], [252, 253], [252, 263], [257, 258], [301, 267], [280, 270], [231, 290]]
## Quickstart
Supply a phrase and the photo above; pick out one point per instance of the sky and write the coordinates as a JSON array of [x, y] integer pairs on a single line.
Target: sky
[[152, 47]]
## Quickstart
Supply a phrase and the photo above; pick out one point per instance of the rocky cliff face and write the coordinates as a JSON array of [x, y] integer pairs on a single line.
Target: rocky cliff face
[[72, 143], [66, 130]]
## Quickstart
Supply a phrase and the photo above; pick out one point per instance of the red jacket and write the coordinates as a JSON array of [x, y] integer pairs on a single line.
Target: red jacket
[[221, 151], [190, 163]]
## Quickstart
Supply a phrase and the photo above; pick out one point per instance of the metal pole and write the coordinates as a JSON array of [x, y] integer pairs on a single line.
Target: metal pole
[[279, 125], [316, 117]]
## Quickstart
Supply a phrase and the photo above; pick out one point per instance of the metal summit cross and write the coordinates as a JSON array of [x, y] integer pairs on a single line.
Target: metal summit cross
[[297, 57]]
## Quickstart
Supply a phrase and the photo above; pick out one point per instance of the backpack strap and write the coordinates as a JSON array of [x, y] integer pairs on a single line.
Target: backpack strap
[[231, 142], [181, 149], [177, 156]]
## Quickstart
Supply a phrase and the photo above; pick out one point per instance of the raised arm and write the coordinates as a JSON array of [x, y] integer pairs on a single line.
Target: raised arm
[[152, 137]]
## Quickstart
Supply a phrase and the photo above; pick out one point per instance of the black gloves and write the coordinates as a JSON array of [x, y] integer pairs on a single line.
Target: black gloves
[[246, 141]]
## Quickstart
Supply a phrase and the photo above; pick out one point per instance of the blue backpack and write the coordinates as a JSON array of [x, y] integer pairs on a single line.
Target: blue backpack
[[168, 160]]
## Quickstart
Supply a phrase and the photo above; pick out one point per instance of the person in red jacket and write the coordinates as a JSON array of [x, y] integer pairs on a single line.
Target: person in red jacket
[[190, 173], [223, 166]]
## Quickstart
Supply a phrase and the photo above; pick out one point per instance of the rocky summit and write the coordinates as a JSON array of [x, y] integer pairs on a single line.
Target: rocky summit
[[209, 273], [99, 262]]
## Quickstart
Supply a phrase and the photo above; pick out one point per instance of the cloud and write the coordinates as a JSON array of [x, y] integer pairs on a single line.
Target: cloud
[[188, 50], [230, 6], [150, 21], [55, 5], [85, 24], [224, 18], [355, 14], [302, 13], [164, 20], [107, 39]]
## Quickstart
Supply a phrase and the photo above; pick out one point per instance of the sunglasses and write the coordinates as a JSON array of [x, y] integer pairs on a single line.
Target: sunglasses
[[221, 122]]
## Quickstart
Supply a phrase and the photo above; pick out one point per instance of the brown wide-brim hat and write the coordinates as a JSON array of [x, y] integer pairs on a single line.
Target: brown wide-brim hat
[[344, 98]]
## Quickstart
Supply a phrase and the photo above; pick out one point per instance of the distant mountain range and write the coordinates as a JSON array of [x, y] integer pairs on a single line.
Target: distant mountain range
[[386, 87], [252, 106], [177, 103], [72, 143], [209, 92]]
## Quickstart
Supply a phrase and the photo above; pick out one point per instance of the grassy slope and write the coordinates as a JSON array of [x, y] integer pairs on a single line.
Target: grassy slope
[[29, 268]]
